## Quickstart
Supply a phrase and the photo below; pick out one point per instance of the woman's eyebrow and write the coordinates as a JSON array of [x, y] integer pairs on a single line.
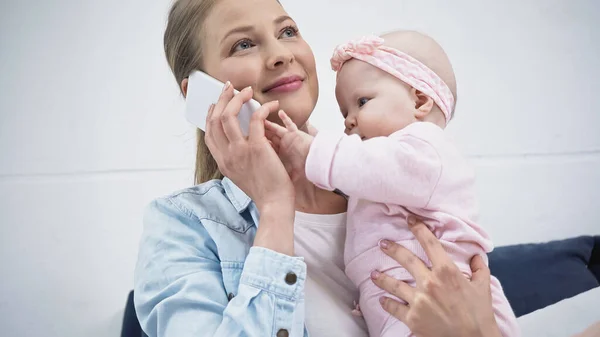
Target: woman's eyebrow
[[281, 19], [245, 29], [242, 29]]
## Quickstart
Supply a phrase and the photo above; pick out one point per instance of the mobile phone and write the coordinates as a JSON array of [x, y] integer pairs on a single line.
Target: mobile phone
[[204, 90]]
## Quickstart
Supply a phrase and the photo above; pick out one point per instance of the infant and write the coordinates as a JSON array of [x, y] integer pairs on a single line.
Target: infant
[[396, 93]]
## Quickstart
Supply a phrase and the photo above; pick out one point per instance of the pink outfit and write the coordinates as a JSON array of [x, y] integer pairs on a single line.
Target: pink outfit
[[415, 170]]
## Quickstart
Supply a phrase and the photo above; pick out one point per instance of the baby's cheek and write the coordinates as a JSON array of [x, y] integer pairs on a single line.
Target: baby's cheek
[[373, 122]]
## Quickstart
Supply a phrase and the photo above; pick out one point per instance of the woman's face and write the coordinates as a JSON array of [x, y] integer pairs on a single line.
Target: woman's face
[[255, 43]]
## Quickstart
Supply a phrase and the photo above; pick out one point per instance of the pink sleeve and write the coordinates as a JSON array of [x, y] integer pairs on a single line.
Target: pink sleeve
[[401, 169]]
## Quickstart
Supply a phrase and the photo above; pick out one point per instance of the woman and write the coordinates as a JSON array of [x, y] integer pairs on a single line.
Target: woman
[[221, 258]]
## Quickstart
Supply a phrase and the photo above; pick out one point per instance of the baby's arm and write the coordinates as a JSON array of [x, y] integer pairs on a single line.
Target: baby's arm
[[401, 169]]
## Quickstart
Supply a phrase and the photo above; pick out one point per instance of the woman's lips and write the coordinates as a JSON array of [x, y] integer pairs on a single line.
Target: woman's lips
[[286, 84], [288, 87]]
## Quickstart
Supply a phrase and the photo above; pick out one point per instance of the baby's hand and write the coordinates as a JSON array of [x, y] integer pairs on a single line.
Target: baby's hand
[[291, 144]]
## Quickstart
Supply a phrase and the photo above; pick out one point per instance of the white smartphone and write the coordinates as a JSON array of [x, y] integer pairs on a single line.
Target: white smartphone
[[204, 90]]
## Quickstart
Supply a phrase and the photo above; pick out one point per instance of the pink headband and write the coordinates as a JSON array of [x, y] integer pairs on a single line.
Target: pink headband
[[370, 49]]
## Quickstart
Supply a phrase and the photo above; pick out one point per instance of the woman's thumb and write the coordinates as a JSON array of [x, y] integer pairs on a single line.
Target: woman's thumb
[[481, 272]]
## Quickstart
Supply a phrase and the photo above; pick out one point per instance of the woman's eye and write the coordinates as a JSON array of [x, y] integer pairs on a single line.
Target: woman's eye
[[362, 101], [289, 32], [245, 44]]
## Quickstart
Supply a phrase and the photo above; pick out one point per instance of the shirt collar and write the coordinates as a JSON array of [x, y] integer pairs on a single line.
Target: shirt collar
[[238, 198]]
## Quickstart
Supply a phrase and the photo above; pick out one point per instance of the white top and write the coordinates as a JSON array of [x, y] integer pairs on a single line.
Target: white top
[[329, 293]]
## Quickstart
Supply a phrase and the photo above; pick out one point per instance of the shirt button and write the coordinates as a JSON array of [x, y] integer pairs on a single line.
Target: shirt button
[[283, 333], [290, 279]]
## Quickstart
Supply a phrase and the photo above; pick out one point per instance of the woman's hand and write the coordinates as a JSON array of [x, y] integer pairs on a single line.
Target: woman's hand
[[252, 164], [444, 302], [291, 143]]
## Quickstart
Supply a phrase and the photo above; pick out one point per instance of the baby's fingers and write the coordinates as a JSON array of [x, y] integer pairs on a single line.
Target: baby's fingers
[[287, 121], [275, 128]]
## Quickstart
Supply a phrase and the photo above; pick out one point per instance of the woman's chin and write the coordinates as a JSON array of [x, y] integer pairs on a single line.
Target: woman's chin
[[297, 105], [298, 110]]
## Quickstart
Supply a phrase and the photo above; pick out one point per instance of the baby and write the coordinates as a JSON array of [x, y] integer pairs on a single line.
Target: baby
[[396, 93]]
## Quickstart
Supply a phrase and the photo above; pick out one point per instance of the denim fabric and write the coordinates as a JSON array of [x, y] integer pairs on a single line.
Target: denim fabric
[[198, 275]]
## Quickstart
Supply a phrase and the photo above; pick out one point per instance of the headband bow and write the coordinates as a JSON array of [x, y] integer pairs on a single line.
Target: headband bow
[[370, 49]]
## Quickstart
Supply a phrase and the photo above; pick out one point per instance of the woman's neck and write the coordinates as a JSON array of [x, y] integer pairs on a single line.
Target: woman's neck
[[310, 199]]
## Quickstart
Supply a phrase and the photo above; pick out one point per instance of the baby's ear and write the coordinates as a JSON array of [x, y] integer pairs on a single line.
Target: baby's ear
[[423, 103]]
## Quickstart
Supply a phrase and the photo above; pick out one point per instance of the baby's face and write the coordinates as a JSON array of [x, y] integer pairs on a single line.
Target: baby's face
[[373, 102]]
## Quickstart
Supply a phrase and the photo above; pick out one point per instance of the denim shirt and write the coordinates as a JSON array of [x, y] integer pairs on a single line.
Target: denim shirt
[[197, 273]]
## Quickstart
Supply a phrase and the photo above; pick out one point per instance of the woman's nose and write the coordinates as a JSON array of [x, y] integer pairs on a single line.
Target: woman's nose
[[279, 55]]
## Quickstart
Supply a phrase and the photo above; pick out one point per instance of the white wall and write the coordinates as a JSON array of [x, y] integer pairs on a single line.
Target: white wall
[[91, 129]]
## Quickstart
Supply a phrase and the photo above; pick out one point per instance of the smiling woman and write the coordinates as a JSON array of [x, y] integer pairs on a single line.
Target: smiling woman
[[240, 53], [229, 256], [221, 258]]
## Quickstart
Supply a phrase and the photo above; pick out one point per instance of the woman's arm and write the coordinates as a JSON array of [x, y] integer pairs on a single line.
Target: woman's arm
[[253, 165], [179, 289], [444, 303]]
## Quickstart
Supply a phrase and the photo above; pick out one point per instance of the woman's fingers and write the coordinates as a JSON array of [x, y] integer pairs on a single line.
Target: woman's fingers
[[406, 258], [287, 121], [211, 109], [214, 127], [395, 308], [395, 287], [224, 98], [481, 272], [432, 246], [231, 125], [207, 137], [257, 122]]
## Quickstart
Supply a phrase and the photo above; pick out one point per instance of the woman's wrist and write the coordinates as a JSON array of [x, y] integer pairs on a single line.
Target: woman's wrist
[[276, 227], [487, 330]]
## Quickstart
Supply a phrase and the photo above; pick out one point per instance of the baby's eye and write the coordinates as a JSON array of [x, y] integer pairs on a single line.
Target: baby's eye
[[362, 101]]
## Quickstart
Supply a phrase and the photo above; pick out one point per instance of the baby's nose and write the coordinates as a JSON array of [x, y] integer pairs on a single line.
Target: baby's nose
[[350, 124], [353, 131]]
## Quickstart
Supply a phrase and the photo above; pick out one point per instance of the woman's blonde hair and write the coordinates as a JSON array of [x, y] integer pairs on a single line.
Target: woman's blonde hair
[[182, 43]]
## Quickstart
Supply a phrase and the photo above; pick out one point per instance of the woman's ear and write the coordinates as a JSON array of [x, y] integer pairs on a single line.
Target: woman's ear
[[184, 86], [423, 103]]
